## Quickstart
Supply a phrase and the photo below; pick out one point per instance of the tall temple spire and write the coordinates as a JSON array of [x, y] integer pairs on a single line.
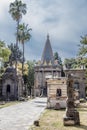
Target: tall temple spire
[[47, 56], [48, 36]]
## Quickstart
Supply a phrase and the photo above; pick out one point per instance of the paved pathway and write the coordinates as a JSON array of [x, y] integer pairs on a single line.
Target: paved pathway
[[22, 115]]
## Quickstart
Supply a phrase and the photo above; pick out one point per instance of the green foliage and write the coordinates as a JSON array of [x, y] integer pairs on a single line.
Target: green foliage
[[4, 56], [2, 44], [30, 75], [70, 63], [24, 33], [16, 9], [86, 82], [55, 56], [74, 63], [25, 77], [83, 50], [58, 58], [16, 54], [83, 46], [83, 54], [4, 52], [23, 36]]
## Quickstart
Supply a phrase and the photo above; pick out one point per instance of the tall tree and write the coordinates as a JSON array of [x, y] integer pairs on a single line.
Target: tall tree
[[58, 58], [16, 9], [83, 54], [16, 54], [30, 75], [23, 36], [83, 46]]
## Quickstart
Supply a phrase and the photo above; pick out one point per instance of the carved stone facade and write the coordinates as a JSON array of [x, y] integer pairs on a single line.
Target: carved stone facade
[[79, 80], [47, 67], [56, 92], [12, 84]]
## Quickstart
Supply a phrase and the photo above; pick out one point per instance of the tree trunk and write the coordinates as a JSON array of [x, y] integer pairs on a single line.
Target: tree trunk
[[17, 43], [23, 60]]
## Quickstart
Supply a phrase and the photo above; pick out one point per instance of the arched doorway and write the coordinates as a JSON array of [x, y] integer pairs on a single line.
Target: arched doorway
[[76, 85], [45, 89], [76, 90], [8, 89]]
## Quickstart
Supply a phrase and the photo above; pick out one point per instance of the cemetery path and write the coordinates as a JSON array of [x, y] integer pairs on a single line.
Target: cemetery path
[[21, 115]]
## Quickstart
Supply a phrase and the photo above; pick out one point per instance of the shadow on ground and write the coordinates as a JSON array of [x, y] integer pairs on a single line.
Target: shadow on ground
[[84, 127], [40, 102]]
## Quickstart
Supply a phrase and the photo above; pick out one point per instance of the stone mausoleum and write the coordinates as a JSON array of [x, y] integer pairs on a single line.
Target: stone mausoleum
[[79, 80], [48, 70], [47, 67], [12, 84]]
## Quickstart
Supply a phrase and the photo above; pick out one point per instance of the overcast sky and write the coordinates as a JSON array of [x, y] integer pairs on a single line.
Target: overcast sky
[[64, 20]]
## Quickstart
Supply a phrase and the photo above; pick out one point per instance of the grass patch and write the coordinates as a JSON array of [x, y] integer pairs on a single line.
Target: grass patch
[[53, 120]]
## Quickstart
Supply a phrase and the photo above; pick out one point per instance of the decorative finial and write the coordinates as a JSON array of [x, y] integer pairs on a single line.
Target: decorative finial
[[48, 36]]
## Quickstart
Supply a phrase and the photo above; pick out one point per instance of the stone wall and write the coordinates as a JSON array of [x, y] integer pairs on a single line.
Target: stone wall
[[54, 100], [12, 84], [41, 72], [78, 77]]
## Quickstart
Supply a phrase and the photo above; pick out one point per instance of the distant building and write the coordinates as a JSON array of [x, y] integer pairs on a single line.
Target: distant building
[[57, 92], [47, 67], [79, 80], [12, 85]]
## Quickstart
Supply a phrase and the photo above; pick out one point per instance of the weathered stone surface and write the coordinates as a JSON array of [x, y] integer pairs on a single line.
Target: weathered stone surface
[[72, 115], [46, 68], [12, 84], [57, 100], [79, 81]]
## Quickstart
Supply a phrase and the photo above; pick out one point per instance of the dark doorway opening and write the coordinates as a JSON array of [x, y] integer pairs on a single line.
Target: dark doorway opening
[[76, 85], [45, 90], [8, 88]]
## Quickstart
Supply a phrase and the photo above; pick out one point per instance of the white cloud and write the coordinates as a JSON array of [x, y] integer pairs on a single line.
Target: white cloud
[[65, 21]]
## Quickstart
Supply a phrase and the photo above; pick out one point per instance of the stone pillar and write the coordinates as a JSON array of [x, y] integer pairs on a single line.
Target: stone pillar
[[72, 115]]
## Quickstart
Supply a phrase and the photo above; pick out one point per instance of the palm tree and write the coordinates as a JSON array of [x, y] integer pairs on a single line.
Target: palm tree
[[23, 36], [16, 9], [12, 57]]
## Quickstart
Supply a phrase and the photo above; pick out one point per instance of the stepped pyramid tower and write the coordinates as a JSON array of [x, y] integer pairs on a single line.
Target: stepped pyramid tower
[[47, 56], [46, 68]]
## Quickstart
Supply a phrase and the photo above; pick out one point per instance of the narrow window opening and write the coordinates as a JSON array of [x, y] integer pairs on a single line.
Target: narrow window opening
[[58, 93]]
